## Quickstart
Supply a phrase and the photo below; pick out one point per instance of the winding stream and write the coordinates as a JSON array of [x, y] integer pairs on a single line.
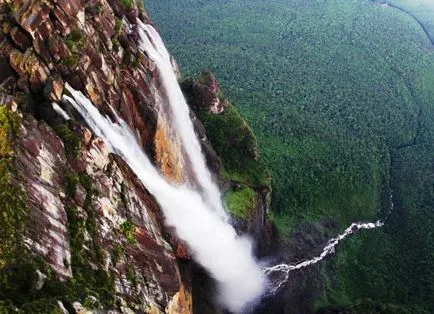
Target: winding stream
[[282, 271], [424, 29], [329, 249]]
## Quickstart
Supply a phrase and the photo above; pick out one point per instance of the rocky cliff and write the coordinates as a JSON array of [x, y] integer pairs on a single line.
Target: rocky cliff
[[79, 230]]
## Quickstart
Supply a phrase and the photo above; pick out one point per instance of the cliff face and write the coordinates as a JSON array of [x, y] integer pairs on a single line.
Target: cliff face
[[98, 231], [244, 178], [80, 230]]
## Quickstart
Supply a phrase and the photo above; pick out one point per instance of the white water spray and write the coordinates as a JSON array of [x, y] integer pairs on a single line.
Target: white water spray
[[212, 241], [329, 249], [151, 43]]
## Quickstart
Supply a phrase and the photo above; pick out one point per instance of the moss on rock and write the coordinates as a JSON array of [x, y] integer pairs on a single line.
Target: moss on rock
[[70, 140], [9, 127], [127, 4], [127, 229], [89, 277], [240, 202], [235, 143], [13, 205]]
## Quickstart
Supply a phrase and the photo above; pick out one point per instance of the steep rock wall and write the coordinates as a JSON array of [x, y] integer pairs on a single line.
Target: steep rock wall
[[87, 216]]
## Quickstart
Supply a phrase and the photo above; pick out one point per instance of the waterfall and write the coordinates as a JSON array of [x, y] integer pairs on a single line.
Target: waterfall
[[60, 111], [212, 241], [328, 249], [151, 43]]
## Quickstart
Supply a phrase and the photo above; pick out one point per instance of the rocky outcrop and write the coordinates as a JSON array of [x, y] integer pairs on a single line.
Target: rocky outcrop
[[121, 221], [205, 94], [243, 175]]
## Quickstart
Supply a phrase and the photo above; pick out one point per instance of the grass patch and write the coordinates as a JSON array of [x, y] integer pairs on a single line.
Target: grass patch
[[127, 4], [240, 202], [127, 229], [70, 140], [71, 61], [71, 184], [9, 127], [131, 276], [75, 41], [117, 253], [118, 26]]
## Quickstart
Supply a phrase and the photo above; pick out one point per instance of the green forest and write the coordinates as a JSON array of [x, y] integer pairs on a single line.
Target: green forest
[[340, 94]]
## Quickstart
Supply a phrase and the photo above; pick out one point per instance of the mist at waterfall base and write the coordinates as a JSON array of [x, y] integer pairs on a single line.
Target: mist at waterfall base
[[212, 240]]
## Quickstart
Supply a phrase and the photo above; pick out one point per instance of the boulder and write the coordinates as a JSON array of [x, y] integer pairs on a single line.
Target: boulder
[[20, 38], [54, 89]]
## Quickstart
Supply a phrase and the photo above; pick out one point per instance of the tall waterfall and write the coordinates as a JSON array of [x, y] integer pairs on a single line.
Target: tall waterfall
[[212, 240], [152, 44]]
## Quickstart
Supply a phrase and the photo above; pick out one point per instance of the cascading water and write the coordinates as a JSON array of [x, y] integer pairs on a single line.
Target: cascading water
[[60, 111], [152, 44], [212, 241]]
